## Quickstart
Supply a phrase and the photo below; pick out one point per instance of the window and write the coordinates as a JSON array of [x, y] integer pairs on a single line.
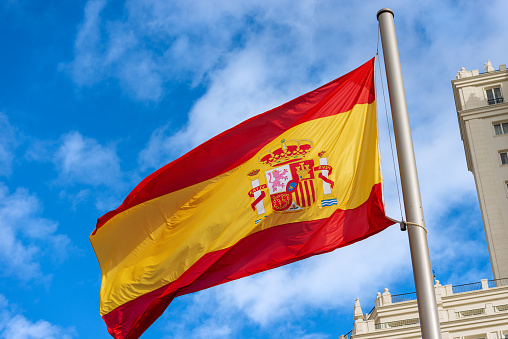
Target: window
[[504, 158], [506, 188], [501, 128], [494, 96]]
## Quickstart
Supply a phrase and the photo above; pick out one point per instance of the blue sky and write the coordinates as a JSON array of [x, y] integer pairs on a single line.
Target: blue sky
[[95, 95]]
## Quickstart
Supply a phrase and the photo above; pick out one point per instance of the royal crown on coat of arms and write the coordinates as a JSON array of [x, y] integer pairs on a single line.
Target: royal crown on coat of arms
[[290, 178], [285, 152]]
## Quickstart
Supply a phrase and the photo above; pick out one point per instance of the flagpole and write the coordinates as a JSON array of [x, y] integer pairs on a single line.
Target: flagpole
[[422, 270]]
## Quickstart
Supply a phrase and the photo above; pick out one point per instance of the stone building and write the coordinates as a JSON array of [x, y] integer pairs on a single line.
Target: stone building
[[478, 310], [483, 119]]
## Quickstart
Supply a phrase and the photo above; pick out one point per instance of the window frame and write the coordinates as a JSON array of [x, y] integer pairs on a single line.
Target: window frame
[[503, 127], [501, 157], [492, 90]]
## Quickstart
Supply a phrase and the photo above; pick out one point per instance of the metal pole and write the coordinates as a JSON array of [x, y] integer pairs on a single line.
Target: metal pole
[[420, 258]]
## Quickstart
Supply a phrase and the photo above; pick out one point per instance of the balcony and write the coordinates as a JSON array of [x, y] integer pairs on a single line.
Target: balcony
[[493, 101]]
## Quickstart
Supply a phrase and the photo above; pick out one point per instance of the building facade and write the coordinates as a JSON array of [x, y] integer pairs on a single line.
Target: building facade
[[482, 112], [471, 311]]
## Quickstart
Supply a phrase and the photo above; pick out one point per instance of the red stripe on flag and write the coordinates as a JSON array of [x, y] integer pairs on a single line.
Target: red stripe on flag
[[312, 191], [306, 182], [257, 252], [222, 153], [300, 185]]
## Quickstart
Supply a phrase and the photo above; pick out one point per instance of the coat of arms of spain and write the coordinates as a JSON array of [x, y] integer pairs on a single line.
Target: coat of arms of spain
[[290, 178]]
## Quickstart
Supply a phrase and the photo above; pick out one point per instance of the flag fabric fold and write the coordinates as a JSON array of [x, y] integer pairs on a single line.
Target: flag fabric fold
[[299, 180]]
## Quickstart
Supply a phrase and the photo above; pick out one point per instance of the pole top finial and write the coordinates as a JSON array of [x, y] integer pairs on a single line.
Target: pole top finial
[[384, 10]]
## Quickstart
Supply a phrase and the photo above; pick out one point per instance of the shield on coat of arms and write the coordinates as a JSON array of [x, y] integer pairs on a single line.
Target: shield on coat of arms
[[291, 186]]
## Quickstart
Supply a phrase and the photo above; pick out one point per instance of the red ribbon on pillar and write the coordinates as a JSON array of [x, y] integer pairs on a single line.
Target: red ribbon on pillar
[[325, 179], [258, 199]]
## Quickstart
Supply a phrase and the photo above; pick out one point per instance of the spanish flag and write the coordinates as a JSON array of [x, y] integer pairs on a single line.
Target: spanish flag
[[299, 180]]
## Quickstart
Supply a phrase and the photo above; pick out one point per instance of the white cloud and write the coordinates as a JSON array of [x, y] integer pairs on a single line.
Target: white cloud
[[141, 77], [212, 331], [83, 160], [158, 151], [87, 66], [80, 161], [97, 57], [87, 170], [26, 238], [40, 150], [198, 321], [206, 316], [8, 143], [157, 43], [16, 326]]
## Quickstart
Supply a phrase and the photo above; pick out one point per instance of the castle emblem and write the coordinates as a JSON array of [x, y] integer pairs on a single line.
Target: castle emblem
[[290, 179]]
